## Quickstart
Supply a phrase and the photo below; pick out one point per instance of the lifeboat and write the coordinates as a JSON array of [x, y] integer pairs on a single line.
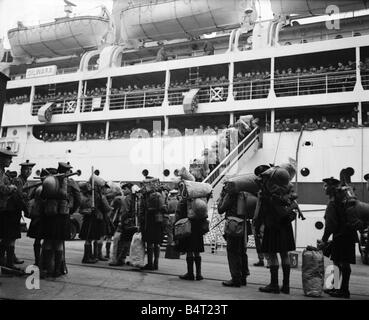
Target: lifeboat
[[177, 19], [64, 37]]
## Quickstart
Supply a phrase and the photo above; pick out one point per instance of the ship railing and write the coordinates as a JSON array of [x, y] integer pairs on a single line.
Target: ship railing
[[229, 161], [62, 106], [92, 103], [137, 99], [251, 89], [321, 83], [217, 92], [365, 79]]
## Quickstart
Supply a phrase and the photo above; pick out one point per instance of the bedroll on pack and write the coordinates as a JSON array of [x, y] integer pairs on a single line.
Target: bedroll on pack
[[246, 205], [193, 190], [182, 228], [197, 209], [358, 215], [225, 202], [137, 251], [245, 183], [312, 272]]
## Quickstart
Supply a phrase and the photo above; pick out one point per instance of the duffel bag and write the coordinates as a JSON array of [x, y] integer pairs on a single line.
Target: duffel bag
[[246, 205], [234, 227], [197, 209], [312, 272], [137, 251], [246, 183], [193, 190], [182, 228]]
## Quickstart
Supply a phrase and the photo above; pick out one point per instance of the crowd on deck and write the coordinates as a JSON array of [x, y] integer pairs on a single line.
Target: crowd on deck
[[60, 136], [18, 99]]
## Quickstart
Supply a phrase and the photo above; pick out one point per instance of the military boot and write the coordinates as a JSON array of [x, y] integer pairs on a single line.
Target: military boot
[[189, 275], [156, 256], [273, 286], [286, 279], [37, 253], [58, 263], [198, 268], [87, 255], [107, 247], [149, 265]]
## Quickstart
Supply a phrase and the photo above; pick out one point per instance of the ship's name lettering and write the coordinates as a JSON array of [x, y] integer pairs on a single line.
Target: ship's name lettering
[[40, 72]]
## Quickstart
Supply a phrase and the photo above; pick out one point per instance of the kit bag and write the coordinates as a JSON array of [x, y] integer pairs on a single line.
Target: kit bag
[[182, 228], [312, 272], [193, 190], [246, 205], [245, 182], [234, 227], [197, 209], [137, 251]]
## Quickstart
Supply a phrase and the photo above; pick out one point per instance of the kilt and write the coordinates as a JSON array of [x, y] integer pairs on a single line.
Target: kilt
[[55, 227], [10, 225], [343, 248], [193, 243], [278, 239], [92, 228], [34, 229]]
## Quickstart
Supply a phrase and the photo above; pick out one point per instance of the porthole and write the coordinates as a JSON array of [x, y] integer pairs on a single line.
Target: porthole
[[145, 173], [319, 225], [166, 173], [308, 144], [305, 172], [15, 132]]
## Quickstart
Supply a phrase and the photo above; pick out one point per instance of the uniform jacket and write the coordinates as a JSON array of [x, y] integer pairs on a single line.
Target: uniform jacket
[[5, 190]]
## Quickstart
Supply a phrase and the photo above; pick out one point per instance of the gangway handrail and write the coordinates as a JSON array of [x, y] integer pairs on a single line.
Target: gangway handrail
[[236, 153]]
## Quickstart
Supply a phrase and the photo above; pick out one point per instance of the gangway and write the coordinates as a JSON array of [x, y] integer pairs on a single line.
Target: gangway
[[231, 164]]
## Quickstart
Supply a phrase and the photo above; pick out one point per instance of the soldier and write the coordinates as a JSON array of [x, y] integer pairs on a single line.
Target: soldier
[[344, 237], [125, 212], [9, 222], [35, 212], [276, 214], [151, 212], [59, 203], [22, 199], [236, 246], [94, 212]]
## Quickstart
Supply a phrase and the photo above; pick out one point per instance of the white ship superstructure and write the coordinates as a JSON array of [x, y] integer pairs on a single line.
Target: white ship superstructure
[[81, 109]]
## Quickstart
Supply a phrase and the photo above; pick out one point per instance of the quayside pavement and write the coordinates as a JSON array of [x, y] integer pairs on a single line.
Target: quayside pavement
[[99, 281]]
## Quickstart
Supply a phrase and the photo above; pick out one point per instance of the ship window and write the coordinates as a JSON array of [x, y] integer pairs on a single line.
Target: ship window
[[18, 96], [308, 144], [55, 133], [319, 225], [305, 172], [339, 36], [15, 132], [287, 43], [93, 131], [166, 173], [357, 34], [4, 132]]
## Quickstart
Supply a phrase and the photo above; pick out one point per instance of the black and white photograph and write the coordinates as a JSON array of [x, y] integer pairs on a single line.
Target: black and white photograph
[[199, 151]]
